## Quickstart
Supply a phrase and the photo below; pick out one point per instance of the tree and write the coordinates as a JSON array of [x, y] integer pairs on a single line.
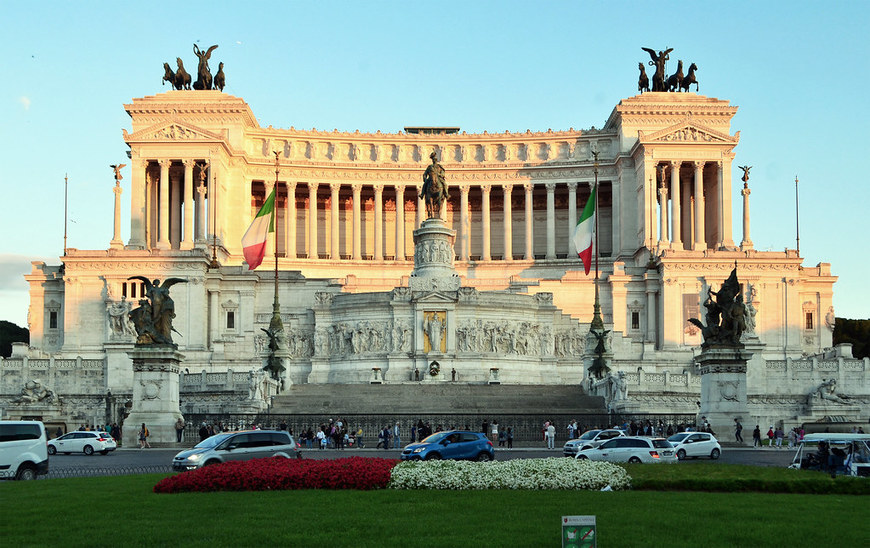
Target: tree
[[10, 333], [856, 332]]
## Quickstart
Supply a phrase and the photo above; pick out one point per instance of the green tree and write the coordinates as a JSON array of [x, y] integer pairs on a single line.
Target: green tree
[[10, 333], [856, 332]]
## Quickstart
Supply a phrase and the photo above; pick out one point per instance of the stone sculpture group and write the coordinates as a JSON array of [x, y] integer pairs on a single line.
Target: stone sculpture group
[[660, 82], [181, 79]]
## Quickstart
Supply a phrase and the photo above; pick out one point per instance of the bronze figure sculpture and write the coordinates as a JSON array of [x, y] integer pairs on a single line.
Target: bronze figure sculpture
[[658, 61], [745, 177], [643, 81], [273, 362], [117, 169], [675, 79], [203, 72], [434, 190], [153, 318], [690, 79], [599, 366], [726, 315], [220, 79]]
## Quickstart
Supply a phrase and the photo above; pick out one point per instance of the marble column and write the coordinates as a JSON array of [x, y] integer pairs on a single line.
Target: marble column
[[186, 237], [551, 220], [663, 218], [700, 242], [138, 203], [312, 221], [723, 207], [400, 222], [116, 242], [290, 221], [486, 253], [686, 212], [747, 242], [357, 221], [175, 183], [464, 225], [200, 213], [572, 217], [163, 220], [334, 250], [379, 222], [650, 313], [530, 222], [508, 223], [676, 236]]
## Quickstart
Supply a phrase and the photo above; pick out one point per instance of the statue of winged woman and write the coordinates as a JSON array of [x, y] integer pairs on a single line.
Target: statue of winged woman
[[153, 318]]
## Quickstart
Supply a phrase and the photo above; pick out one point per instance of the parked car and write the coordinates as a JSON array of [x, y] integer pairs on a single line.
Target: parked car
[[590, 438], [631, 449], [246, 445], [695, 444], [22, 450], [453, 444], [82, 441]]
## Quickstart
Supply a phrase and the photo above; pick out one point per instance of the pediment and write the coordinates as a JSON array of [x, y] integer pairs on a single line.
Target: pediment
[[688, 131], [172, 131], [435, 297]]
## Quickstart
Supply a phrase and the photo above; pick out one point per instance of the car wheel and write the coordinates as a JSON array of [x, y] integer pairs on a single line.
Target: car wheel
[[66, 452], [26, 473], [582, 457], [433, 456], [484, 457], [52, 450], [634, 460], [715, 454], [681, 454], [104, 452], [88, 450]]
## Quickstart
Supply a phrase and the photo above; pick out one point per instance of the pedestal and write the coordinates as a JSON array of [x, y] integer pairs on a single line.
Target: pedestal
[[433, 258], [723, 387], [155, 395]]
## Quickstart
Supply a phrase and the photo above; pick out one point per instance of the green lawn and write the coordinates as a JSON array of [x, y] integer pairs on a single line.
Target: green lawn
[[124, 510]]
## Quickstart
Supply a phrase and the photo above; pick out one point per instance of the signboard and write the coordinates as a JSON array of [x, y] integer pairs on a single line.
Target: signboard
[[578, 532]]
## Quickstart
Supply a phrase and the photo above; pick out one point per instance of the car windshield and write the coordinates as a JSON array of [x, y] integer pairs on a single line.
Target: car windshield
[[211, 441], [589, 435], [677, 438], [435, 438], [662, 444]]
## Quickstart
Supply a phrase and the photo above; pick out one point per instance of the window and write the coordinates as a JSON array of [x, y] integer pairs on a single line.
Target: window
[[231, 319], [19, 432], [52, 320], [808, 324], [635, 320]]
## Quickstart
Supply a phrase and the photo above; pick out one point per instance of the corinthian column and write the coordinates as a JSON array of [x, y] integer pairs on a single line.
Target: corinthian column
[[163, 224], [334, 250], [530, 222], [572, 217], [551, 220], [357, 222], [138, 203], [508, 224], [187, 239], [676, 236], [400, 222], [379, 222], [464, 228], [312, 221], [700, 243], [663, 219], [487, 254], [290, 221]]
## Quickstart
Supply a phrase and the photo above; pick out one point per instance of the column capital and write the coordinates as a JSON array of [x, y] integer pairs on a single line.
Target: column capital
[[663, 191], [529, 186], [189, 163], [313, 186], [572, 185], [699, 164], [551, 187], [486, 189], [674, 163], [117, 190], [507, 187], [464, 190], [745, 191], [379, 187], [400, 188], [335, 187], [164, 163], [291, 186], [356, 187], [141, 163], [201, 190]]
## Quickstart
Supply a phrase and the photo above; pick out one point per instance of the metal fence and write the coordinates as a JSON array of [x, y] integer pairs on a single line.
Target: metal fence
[[527, 429], [57, 473]]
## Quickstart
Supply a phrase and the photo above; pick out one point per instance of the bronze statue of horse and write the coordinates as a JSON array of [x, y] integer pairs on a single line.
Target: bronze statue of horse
[[675, 79], [182, 78], [643, 81], [690, 79], [220, 80], [168, 75]]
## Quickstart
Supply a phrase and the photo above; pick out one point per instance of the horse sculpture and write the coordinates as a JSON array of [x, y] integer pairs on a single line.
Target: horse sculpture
[[168, 75], [690, 79], [182, 78], [643, 81], [220, 79], [675, 79], [434, 190]]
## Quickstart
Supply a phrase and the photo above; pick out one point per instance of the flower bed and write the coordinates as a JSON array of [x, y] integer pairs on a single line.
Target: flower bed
[[279, 473], [549, 473]]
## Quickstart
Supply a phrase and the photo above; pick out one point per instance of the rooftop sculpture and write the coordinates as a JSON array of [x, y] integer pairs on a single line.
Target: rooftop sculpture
[[660, 80], [725, 315], [180, 79]]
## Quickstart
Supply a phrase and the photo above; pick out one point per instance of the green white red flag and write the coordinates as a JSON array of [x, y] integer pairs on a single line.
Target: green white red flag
[[254, 240], [583, 232]]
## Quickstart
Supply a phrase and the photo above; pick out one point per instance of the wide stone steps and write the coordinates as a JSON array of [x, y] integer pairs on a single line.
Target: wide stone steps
[[441, 397]]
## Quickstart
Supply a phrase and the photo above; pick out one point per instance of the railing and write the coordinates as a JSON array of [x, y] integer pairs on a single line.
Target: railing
[[58, 473]]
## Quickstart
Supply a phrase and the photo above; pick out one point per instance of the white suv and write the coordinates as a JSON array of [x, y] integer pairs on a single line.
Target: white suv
[[23, 454], [82, 441], [695, 444]]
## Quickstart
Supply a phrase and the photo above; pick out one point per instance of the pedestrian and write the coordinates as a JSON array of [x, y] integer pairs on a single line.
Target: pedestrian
[[143, 437], [283, 425], [502, 437], [779, 434], [179, 429], [770, 435], [510, 437], [738, 430], [756, 437], [792, 437], [359, 438], [58, 433], [413, 432], [551, 436], [387, 436], [321, 439], [494, 430], [397, 438]]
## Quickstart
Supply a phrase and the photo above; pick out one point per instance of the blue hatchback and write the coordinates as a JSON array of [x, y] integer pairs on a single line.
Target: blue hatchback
[[454, 444]]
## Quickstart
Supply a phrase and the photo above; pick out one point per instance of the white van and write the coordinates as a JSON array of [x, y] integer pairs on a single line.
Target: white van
[[23, 453], [847, 454]]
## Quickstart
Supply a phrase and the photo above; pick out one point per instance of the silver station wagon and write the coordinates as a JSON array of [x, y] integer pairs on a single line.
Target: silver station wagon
[[250, 444]]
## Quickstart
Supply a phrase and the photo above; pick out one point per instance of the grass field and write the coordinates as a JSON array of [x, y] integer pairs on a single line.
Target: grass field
[[124, 510]]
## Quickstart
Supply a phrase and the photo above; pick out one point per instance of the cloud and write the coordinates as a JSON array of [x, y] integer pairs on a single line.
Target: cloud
[[25, 102], [14, 267]]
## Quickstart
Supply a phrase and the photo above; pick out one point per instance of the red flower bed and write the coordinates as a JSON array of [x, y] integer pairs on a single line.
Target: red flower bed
[[279, 473]]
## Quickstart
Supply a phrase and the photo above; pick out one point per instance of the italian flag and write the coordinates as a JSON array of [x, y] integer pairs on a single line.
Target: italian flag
[[583, 232], [254, 240]]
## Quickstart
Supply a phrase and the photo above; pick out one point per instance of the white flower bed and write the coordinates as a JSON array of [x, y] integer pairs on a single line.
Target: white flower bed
[[549, 473]]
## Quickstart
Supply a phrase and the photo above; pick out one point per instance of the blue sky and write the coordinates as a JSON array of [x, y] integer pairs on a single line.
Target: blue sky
[[797, 70]]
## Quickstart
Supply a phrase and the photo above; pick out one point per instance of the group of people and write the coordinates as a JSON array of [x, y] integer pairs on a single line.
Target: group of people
[[775, 435]]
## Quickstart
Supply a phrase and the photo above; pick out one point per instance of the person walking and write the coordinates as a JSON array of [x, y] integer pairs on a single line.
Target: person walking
[[738, 431], [397, 438], [770, 435], [756, 437], [179, 429], [551, 436], [510, 437], [779, 434], [143, 437]]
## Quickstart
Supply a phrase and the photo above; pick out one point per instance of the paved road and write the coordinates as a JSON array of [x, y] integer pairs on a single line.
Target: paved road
[[159, 459]]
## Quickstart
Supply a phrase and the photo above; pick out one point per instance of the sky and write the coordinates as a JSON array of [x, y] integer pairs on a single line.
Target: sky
[[796, 70]]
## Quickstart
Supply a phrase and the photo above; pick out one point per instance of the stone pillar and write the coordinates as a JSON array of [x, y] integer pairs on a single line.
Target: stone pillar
[[116, 242], [155, 395], [676, 236], [551, 220], [187, 238], [290, 221], [723, 387], [508, 223], [464, 225], [486, 253], [664, 241], [163, 220], [175, 186], [334, 249], [200, 213], [312, 221], [747, 242], [379, 222], [572, 218], [686, 213], [723, 212], [138, 203], [700, 242], [530, 221], [650, 312], [400, 222], [357, 222]]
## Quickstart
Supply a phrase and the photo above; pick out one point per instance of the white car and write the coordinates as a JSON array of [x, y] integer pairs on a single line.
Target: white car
[[22, 450], [695, 444], [634, 449], [82, 441], [590, 438]]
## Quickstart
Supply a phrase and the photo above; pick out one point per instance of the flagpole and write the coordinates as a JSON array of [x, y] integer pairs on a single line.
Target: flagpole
[[65, 186], [276, 326], [597, 321], [797, 216]]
